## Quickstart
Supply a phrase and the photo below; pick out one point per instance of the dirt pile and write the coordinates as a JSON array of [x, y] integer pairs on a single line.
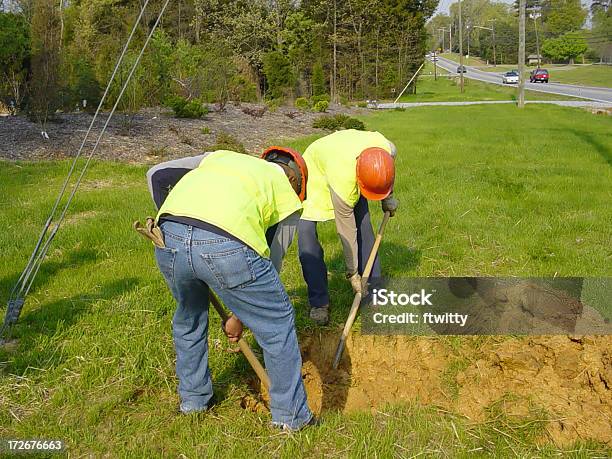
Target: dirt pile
[[570, 379]]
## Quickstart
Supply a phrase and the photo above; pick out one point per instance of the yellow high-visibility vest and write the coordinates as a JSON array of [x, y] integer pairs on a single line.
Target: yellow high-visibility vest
[[238, 193], [332, 163]]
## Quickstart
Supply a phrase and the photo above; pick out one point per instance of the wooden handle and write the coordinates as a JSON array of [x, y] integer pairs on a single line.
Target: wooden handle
[[357, 300], [244, 346]]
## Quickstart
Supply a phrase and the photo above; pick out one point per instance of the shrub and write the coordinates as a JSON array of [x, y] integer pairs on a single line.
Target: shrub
[[184, 108], [273, 104], [302, 103], [327, 122], [318, 80], [279, 73], [337, 122], [318, 98], [226, 141], [321, 106], [362, 104], [353, 123]]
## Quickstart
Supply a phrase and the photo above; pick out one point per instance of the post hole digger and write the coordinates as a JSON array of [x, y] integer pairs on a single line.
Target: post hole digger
[[358, 295], [152, 232]]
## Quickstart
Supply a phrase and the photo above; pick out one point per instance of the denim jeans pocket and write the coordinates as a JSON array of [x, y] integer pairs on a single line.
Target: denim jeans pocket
[[165, 261], [233, 269]]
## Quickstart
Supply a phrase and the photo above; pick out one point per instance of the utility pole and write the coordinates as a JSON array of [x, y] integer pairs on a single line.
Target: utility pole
[[443, 29], [460, 48], [521, 54], [492, 30], [535, 15], [450, 38], [467, 27]]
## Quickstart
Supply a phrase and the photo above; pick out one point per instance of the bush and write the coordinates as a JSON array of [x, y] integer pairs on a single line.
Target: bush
[[321, 106], [302, 103], [279, 74], [273, 104], [226, 141], [318, 80], [353, 123], [320, 97], [337, 122], [184, 108]]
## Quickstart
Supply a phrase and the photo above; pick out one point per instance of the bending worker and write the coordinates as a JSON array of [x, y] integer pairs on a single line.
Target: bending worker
[[227, 220], [347, 168]]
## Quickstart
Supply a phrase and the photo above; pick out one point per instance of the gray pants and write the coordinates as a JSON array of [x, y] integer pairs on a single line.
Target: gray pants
[[312, 259]]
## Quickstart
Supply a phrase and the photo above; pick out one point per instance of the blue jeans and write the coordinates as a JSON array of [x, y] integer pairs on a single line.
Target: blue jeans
[[195, 260], [312, 258]]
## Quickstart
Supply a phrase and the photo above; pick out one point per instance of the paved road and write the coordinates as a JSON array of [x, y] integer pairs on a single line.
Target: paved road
[[596, 94], [563, 103]]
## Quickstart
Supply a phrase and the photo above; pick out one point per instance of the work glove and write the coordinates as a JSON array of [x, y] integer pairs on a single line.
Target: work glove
[[232, 328], [389, 204], [355, 280]]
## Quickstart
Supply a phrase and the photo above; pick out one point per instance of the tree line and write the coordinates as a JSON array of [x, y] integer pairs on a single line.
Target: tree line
[[57, 54], [556, 29]]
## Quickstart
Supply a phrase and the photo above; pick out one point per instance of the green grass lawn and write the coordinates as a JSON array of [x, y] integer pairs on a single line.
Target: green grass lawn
[[586, 75], [484, 190], [472, 60], [591, 75], [446, 89]]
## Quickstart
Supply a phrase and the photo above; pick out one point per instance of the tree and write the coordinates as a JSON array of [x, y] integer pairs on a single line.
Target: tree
[[318, 80], [45, 44], [562, 16], [601, 33], [279, 75], [14, 56], [566, 47]]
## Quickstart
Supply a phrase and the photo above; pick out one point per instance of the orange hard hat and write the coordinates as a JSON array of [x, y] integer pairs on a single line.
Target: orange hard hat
[[293, 160], [375, 173]]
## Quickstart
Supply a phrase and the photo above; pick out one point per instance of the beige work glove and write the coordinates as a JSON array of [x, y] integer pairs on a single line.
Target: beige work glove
[[355, 281]]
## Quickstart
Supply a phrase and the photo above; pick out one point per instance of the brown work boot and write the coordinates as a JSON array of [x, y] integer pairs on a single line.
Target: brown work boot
[[320, 315]]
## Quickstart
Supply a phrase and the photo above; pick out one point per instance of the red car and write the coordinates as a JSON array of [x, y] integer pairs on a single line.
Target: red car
[[538, 75]]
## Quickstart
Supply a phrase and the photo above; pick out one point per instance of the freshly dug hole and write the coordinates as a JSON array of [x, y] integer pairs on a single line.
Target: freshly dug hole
[[569, 378]]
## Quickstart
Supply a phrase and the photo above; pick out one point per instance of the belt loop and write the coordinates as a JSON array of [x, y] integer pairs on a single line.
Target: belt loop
[[189, 235]]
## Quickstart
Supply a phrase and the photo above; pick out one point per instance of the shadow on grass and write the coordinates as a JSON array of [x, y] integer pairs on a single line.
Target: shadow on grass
[[599, 147], [74, 259], [40, 325]]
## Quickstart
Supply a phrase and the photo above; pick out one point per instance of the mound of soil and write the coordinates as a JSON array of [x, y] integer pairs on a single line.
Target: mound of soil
[[569, 378]]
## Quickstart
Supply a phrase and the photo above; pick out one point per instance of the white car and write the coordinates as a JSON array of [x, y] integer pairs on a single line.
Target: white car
[[510, 77]]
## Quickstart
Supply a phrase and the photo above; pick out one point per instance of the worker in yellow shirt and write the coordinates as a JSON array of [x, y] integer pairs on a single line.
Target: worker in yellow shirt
[[227, 219], [346, 169]]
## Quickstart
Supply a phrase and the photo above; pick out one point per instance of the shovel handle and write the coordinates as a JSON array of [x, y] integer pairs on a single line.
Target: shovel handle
[[357, 300], [244, 346], [148, 233]]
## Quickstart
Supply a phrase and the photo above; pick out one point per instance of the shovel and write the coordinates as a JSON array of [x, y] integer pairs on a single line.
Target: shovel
[[357, 300], [154, 234]]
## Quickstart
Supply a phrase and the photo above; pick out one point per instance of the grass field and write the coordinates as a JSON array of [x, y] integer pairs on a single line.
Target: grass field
[[472, 60], [585, 75], [446, 89], [484, 190]]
